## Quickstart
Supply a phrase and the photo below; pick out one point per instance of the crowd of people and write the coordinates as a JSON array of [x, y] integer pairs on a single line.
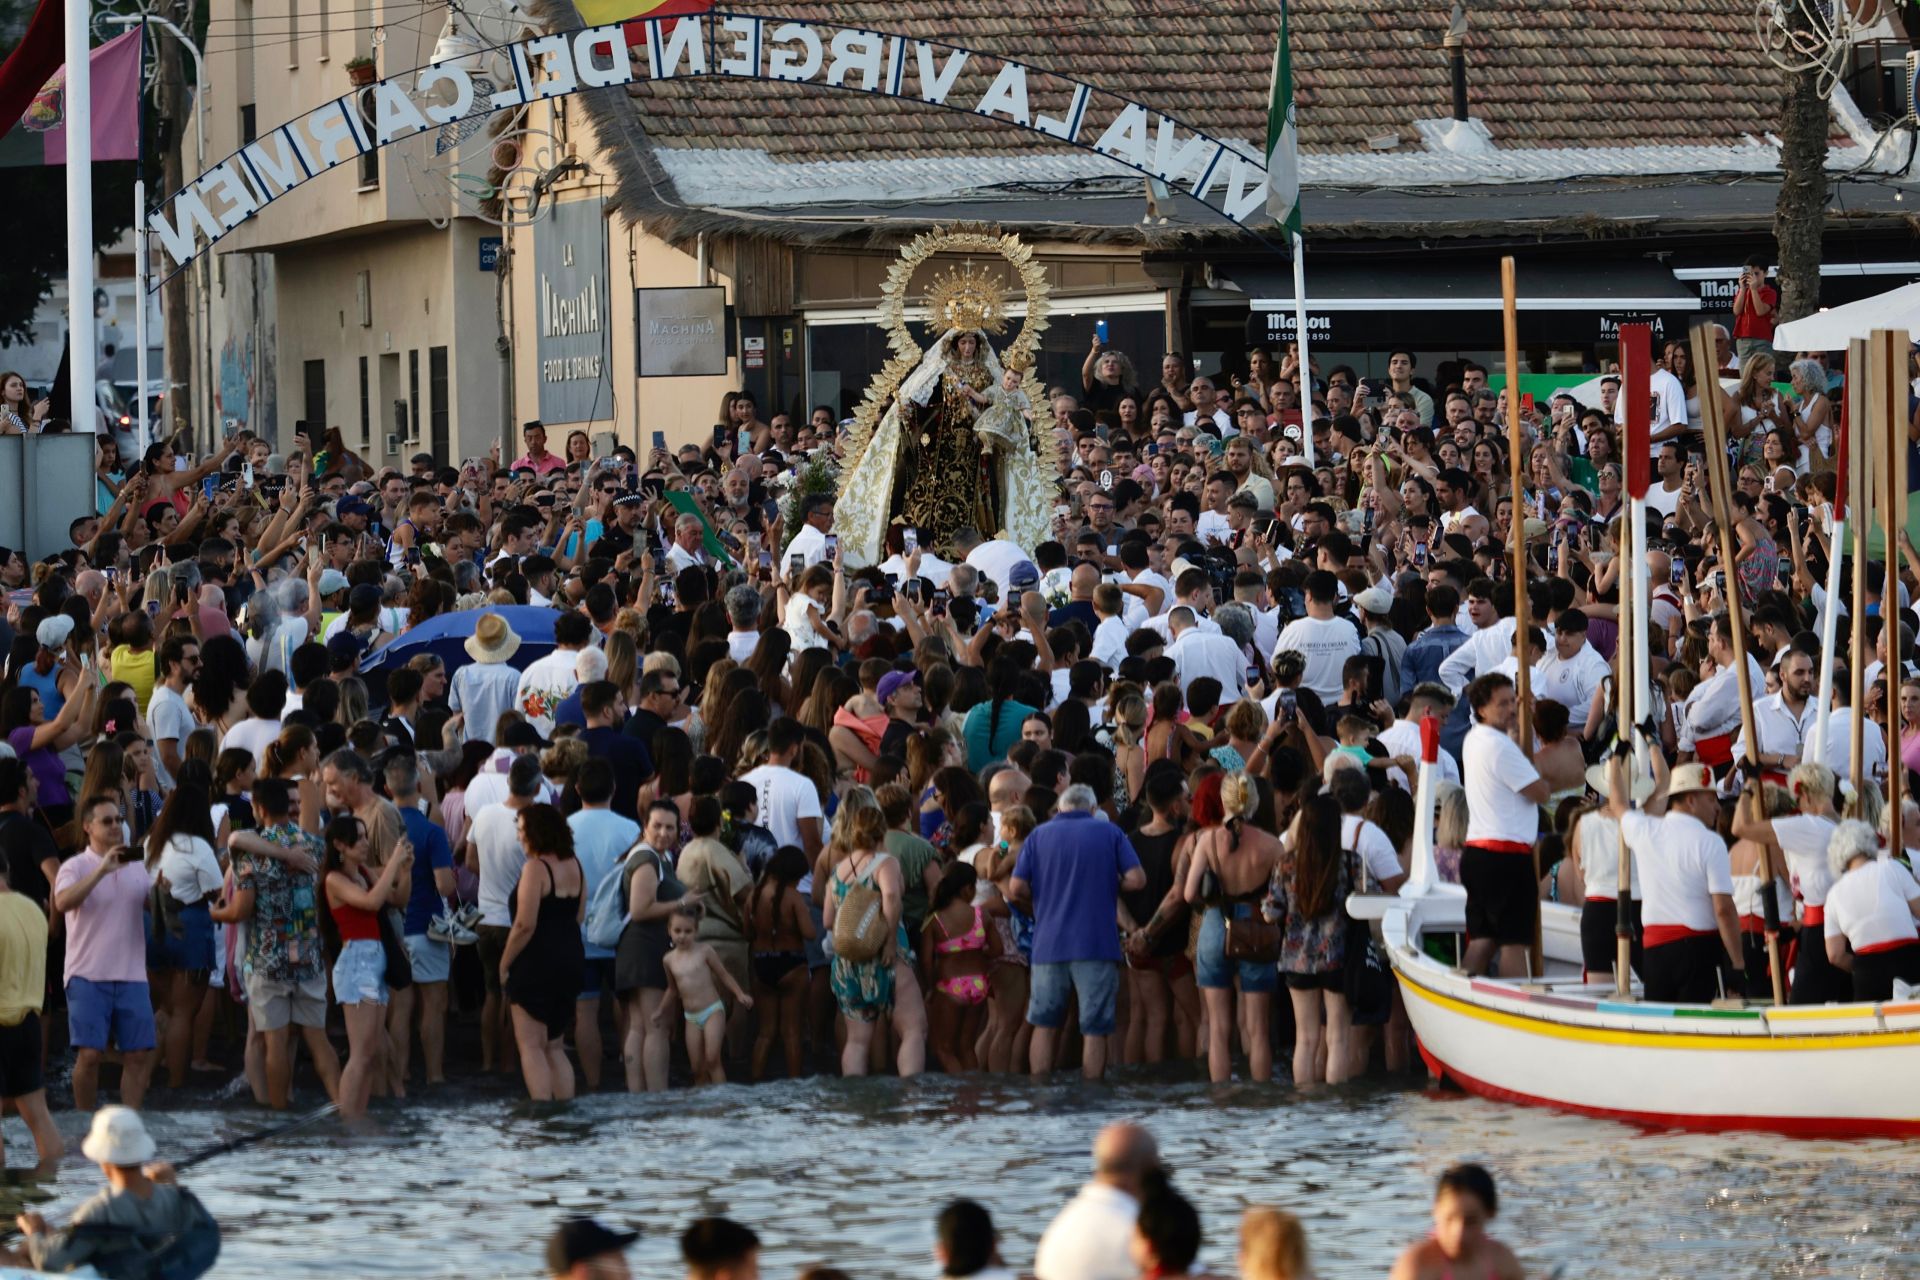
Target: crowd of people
[[1129, 1222], [696, 796]]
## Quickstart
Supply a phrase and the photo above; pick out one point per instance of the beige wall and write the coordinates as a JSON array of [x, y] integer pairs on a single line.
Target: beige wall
[[424, 289]]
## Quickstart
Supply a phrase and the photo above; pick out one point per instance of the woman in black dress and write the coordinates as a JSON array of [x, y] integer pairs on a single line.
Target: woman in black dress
[[544, 964]]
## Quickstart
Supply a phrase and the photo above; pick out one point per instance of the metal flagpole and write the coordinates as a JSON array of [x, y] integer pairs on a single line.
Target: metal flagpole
[[140, 270], [83, 354], [1300, 342], [1836, 539]]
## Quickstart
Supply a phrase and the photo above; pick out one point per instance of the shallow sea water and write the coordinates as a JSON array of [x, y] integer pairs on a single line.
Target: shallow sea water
[[854, 1173]]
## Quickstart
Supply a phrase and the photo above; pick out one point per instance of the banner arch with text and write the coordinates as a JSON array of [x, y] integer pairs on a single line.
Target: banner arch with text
[[1217, 173]]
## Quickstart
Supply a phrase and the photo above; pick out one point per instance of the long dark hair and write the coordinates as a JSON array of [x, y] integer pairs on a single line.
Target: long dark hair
[[342, 831], [1316, 857], [783, 871], [187, 812], [959, 880], [1003, 676]]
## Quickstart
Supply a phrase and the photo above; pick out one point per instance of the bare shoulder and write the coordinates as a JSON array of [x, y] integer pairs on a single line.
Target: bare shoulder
[[1415, 1262], [1505, 1265]]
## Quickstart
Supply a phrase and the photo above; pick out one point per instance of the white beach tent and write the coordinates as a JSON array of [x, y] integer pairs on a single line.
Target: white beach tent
[[1831, 330]]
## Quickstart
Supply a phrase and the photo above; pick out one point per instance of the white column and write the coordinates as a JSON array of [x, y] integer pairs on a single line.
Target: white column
[[1642, 650], [1829, 620], [83, 358]]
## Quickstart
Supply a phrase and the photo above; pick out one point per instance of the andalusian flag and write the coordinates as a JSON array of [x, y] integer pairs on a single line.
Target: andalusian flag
[[1283, 139], [599, 13]]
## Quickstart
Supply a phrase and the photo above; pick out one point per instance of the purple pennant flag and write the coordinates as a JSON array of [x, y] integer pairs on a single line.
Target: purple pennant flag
[[115, 113]]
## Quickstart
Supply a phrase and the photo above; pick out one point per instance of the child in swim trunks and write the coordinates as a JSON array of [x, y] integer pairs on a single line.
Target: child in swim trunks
[[695, 977], [955, 954], [1460, 1248]]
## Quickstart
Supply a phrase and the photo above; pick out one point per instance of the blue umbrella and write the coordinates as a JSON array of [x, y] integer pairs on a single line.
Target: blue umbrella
[[446, 637]]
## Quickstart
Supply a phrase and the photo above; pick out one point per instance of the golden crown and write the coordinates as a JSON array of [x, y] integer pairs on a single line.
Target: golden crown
[[963, 299], [1019, 361]]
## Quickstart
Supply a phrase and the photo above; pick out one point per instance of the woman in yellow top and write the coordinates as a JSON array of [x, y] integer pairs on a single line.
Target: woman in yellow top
[[132, 656]]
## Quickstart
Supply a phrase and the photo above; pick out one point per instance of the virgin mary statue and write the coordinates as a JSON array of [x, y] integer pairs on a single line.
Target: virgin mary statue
[[954, 450]]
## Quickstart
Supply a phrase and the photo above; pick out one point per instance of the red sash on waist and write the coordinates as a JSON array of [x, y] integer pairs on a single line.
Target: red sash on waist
[[1812, 917], [1778, 779], [1716, 751], [1753, 924], [1500, 846], [1600, 897], [1877, 947], [1659, 935]]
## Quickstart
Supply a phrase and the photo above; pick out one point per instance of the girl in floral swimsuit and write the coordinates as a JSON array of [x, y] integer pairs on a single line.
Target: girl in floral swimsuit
[[959, 949]]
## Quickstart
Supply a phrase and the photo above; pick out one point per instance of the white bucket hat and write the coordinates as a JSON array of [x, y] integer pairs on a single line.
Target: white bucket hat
[[118, 1137]]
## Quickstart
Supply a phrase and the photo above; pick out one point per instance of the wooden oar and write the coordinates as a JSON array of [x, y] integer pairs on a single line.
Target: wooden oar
[[1517, 536], [1713, 425], [1860, 502], [1891, 379]]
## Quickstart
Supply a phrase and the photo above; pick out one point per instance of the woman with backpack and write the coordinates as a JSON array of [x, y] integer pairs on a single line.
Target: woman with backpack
[[872, 975]]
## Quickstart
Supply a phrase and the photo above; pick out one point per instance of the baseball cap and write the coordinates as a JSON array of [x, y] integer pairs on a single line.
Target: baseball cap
[[351, 506], [1375, 600], [1023, 574], [332, 580], [891, 683], [53, 632], [582, 1239]]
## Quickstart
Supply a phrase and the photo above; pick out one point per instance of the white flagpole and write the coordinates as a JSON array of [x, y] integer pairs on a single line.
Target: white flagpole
[[140, 270], [1300, 340], [1829, 622], [83, 356]]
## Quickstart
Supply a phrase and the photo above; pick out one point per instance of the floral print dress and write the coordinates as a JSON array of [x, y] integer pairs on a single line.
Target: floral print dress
[[1310, 944]]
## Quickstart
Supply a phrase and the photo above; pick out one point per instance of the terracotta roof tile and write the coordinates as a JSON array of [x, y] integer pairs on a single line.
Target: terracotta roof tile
[[1565, 73]]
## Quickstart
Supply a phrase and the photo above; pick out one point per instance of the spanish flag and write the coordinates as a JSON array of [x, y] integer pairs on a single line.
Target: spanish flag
[[600, 13]]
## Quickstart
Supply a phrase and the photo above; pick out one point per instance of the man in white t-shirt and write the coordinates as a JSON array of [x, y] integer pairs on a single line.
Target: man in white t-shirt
[[1669, 420], [266, 698], [994, 558], [1091, 1238], [789, 805], [810, 543], [495, 834], [1801, 839], [1198, 653], [1670, 471], [1325, 641], [1572, 669], [1402, 738], [550, 679], [1690, 929], [167, 713], [1504, 795]]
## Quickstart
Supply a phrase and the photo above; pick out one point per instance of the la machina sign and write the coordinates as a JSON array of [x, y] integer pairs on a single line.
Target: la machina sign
[[1228, 176]]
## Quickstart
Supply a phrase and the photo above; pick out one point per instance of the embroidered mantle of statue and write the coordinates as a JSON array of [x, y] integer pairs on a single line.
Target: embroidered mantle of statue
[[954, 447]]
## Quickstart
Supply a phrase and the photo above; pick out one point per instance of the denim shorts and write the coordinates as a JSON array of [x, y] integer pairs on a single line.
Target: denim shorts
[[360, 974], [596, 979], [120, 1012], [1097, 982], [1213, 971], [432, 961]]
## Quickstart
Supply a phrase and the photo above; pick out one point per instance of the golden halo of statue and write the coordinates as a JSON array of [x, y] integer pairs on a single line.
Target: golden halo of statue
[[946, 296]]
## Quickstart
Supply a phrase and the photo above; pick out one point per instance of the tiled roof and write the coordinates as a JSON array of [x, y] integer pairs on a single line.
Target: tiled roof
[[1541, 74]]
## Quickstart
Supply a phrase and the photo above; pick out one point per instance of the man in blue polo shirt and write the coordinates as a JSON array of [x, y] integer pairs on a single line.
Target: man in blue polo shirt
[[1069, 877]]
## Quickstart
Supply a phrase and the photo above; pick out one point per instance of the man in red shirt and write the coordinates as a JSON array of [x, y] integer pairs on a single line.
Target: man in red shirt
[[1756, 306], [537, 458]]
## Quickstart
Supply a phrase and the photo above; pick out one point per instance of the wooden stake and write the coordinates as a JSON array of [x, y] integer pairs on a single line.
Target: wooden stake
[[1891, 378], [1860, 508], [1714, 428], [1517, 536]]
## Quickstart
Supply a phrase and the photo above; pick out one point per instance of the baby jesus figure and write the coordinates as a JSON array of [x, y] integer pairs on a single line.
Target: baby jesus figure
[[1003, 422]]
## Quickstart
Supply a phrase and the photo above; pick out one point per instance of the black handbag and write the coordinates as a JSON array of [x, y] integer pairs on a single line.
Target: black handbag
[[399, 963], [1367, 978]]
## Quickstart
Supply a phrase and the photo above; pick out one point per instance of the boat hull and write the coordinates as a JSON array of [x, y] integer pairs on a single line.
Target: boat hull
[[1821, 1071]]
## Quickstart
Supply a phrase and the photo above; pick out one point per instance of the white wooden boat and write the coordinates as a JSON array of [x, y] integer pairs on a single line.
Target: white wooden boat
[[1819, 1070]]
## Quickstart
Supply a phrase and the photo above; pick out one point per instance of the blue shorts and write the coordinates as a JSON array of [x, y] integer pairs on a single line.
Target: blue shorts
[[596, 979], [1211, 968], [192, 948], [116, 1013], [432, 961], [360, 974], [1096, 982]]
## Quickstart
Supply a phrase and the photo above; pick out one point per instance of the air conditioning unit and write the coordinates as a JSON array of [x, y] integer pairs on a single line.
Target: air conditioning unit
[[393, 443]]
